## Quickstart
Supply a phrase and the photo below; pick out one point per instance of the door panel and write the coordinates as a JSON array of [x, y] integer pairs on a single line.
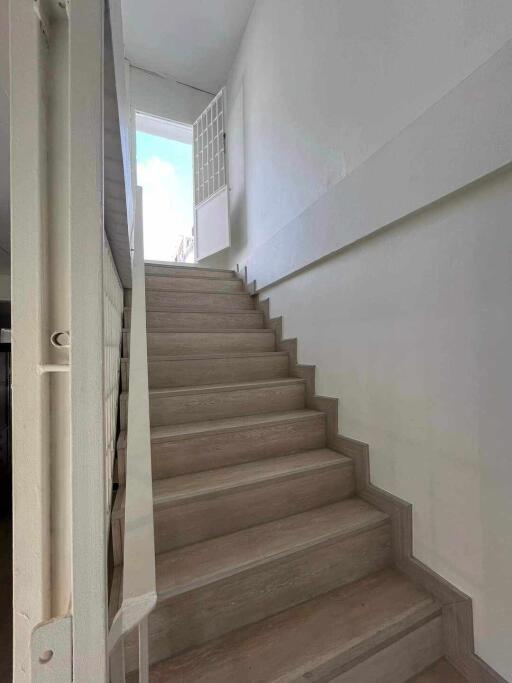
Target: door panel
[[211, 198]]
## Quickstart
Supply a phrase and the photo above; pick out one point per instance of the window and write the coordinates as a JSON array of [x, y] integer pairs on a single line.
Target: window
[[164, 171]]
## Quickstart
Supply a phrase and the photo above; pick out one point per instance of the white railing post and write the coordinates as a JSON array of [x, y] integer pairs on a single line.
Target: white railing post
[[143, 651], [117, 668], [139, 582]]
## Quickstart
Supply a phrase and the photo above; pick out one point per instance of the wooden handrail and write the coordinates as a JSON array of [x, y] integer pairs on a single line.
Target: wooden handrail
[[139, 582]]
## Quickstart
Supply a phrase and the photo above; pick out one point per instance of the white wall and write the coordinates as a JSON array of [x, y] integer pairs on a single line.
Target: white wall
[[344, 118], [324, 86], [4, 45], [163, 97], [412, 330]]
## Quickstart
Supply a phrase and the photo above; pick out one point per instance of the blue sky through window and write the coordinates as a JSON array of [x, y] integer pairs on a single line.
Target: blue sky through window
[[164, 170]]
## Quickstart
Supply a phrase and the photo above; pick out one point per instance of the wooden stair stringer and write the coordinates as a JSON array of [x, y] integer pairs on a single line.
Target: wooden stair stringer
[[457, 607]]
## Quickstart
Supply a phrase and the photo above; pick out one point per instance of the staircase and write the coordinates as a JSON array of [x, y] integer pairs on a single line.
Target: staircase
[[269, 567]]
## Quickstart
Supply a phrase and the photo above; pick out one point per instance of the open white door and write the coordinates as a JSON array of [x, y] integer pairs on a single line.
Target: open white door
[[211, 202]]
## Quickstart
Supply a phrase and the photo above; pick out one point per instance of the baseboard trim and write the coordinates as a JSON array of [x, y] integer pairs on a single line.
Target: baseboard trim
[[457, 608]]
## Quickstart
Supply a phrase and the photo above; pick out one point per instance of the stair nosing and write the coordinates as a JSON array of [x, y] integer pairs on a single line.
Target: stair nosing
[[191, 309], [165, 392], [207, 356], [213, 312], [170, 500], [194, 291], [188, 277], [156, 264], [250, 330], [221, 574], [287, 417]]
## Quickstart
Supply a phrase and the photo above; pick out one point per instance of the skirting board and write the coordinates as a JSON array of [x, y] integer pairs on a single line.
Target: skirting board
[[457, 609]]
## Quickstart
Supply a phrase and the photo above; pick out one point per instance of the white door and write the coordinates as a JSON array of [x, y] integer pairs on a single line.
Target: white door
[[211, 202]]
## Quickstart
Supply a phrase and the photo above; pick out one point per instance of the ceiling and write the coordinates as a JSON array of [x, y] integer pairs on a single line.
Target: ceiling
[[192, 41]]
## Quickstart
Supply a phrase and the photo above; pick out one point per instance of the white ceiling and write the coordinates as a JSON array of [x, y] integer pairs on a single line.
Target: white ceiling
[[192, 41]]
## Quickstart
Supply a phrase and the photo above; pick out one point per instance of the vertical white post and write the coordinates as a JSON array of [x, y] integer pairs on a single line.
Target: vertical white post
[[31, 522], [86, 253], [144, 651], [117, 664]]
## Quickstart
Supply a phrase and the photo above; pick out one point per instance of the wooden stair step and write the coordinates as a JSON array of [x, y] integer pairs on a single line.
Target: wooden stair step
[[187, 342], [214, 402], [189, 301], [176, 320], [201, 564], [218, 585], [187, 271], [213, 482], [181, 283], [441, 672], [380, 629], [195, 507], [193, 447], [211, 368]]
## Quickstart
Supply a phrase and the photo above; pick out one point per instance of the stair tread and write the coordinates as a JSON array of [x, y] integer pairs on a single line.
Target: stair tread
[[196, 310], [196, 292], [249, 330], [228, 386], [194, 300], [166, 432], [229, 276], [163, 433], [210, 482], [441, 672], [338, 627], [178, 571], [207, 356], [186, 268]]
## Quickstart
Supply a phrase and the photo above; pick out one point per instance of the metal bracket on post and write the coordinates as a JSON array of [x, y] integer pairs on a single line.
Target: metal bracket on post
[[51, 652]]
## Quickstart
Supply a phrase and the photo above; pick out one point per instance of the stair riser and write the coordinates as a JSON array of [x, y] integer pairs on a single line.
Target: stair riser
[[206, 452], [199, 520], [202, 371], [183, 271], [186, 343], [257, 593], [201, 301], [182, 409], [185, 320], [194, 284]]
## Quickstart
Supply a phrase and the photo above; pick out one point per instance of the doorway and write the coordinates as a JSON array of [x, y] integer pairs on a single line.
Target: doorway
[[165, 172]]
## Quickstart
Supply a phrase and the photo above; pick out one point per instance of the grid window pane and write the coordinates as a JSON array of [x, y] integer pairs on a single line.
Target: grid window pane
[[209, 157]]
